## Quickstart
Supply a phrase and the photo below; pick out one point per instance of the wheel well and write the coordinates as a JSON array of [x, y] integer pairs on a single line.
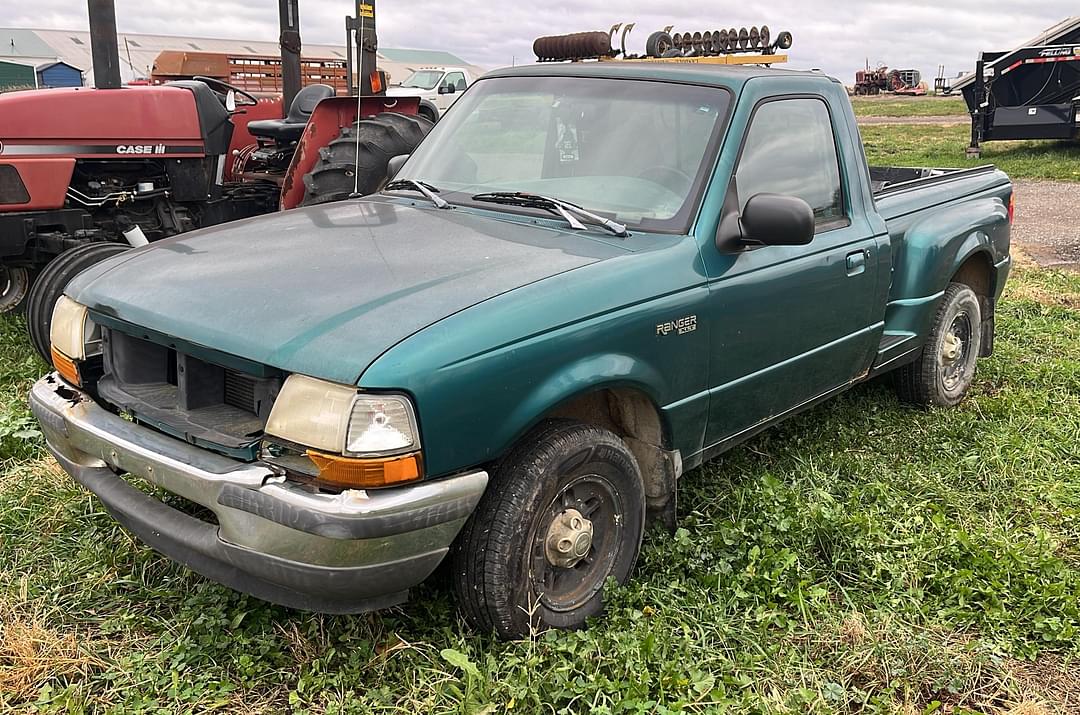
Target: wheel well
[[977, 274], [635, 418]]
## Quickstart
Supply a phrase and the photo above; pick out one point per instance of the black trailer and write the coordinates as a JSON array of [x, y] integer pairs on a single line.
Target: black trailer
[[1029, 92]]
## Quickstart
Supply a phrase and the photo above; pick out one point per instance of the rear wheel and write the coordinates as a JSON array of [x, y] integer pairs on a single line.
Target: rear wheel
[[564, 512], [946, 368], [51, 283], [14, 287], [339, 172]]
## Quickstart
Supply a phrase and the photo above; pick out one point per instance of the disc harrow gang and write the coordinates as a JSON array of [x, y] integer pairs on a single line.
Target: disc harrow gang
[[661, 44]]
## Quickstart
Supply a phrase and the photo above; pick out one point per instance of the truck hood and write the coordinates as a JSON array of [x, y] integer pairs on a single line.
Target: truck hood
[[325, 290]]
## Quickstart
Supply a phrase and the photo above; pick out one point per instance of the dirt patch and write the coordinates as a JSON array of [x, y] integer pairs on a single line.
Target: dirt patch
[[1047, 686], [32, 653], [1048, 222]]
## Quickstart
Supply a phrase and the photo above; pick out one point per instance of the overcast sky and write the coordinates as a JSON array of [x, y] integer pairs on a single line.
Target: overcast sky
[[834, 36]]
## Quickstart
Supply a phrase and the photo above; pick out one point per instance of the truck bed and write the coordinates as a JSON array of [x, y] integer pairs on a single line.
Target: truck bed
[[903, 191], [890, 179]]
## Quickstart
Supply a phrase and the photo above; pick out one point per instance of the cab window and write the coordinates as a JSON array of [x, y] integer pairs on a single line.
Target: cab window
[[790, 149], [455, 80]]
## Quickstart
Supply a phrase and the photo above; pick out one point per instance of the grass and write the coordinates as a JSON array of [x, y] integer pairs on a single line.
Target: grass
[[942, 146], [908, 107], [864, 557]]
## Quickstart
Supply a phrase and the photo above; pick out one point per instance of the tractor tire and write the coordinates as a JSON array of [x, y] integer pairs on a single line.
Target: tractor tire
[[14, 287], [51, 283], [379, 139]]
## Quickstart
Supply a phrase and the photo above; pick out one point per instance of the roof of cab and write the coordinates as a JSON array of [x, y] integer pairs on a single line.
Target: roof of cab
[[694, 73]]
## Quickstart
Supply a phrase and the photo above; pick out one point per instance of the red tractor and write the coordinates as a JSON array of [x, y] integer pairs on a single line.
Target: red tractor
[[88, 172]]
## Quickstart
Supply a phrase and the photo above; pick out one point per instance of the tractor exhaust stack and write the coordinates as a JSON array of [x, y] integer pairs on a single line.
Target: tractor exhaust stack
[[103, 44], [289, 18]]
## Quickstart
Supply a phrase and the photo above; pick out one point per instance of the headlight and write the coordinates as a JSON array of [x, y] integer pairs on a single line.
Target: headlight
[[339, 419], [313, 413], [72, 332], [380, 425], [346, 438]]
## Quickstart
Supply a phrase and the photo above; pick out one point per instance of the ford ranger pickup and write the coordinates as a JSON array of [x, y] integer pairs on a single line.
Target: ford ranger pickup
[[587, 280]]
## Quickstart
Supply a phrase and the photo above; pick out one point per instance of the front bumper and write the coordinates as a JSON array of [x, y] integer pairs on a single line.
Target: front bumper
[[334, 553]]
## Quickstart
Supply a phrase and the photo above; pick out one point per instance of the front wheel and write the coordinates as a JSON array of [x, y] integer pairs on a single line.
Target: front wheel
[[564, 512], [946, 368]]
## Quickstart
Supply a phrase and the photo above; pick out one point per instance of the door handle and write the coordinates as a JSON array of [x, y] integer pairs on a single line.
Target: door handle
[[856, 263]]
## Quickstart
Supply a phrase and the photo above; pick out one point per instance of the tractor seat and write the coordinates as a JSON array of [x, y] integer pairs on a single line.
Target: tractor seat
[[292, 126]]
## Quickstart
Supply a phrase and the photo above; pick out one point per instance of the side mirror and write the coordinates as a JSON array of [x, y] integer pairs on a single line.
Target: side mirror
[[776, 220], [447, 89], [394, 166], [230, 101]]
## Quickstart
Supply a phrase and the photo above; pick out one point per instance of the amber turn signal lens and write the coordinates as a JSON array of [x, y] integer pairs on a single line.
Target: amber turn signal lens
[[376, 82], [365, 473], [66, 367]]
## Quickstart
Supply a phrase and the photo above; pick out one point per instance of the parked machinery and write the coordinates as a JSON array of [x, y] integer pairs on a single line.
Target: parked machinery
[[95, 170], [1029, 92], [882, 79], [661, 44]]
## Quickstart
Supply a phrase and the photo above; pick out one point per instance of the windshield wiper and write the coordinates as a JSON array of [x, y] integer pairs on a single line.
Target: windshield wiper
[[568, 211], [424, 188]]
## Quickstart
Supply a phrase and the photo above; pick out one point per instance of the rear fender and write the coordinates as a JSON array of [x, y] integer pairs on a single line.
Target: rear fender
[[932, 253], [46, 182], [330, 116], [934, 249]]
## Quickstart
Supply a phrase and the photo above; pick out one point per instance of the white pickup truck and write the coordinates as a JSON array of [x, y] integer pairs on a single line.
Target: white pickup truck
[[437, 87]]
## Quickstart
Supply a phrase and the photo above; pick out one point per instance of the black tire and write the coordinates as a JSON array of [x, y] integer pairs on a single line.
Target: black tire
[[379, 140], [658, 43], [946, 368], [51, 283], [14, 288], [504, 579], [429, 114]]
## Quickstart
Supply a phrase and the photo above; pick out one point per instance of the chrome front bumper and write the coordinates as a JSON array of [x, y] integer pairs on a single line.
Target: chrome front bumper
[[342, 553]]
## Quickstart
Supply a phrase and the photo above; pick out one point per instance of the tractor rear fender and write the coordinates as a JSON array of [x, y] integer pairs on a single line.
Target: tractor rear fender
[[330, 116]]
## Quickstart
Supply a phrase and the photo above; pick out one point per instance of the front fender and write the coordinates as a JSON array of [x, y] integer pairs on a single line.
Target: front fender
[[575, 380]]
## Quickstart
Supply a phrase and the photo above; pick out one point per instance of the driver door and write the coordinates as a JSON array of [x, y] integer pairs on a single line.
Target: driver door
[[789, 324]]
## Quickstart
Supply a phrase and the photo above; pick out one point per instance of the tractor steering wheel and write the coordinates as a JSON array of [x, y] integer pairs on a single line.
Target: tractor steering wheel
[[223, 88]]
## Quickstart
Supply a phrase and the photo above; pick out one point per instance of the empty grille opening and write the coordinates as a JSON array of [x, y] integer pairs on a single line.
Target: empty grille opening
[[185, 396]]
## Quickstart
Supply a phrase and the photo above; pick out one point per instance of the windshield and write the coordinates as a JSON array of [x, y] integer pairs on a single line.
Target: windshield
[[637, 151], [423, 79]]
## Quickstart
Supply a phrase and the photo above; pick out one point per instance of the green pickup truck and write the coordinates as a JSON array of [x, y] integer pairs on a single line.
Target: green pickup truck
[[587, 280]]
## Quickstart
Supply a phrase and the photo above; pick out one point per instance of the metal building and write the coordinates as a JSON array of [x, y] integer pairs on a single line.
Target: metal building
[[59, 74], [14, 75]]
